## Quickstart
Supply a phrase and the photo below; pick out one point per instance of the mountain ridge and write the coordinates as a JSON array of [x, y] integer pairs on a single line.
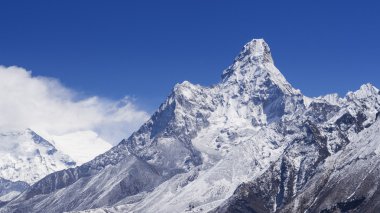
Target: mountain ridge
[[204, 142]]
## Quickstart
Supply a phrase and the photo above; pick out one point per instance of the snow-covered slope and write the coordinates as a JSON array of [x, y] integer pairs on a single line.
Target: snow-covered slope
[[250, 143], [327, 135], [27, 157]]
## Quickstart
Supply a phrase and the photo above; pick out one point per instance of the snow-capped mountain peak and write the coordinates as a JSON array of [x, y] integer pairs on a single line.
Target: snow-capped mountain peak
[[365, 91], [256, 50], [26, 156], [254, 68]]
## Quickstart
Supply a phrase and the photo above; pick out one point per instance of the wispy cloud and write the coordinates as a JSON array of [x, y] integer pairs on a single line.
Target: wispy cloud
[[46, 106]]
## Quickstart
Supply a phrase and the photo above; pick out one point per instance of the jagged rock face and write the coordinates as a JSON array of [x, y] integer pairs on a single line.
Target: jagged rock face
[[301, 179], [348, 181], [10, 189], [251, 143]]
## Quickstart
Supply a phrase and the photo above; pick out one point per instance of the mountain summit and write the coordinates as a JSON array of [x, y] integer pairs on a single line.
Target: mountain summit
[[256, 51], [251, 143], [254, 64]]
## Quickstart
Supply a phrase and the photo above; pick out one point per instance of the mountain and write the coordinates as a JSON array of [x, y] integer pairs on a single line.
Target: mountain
[[10, 189], [332, 167], [251, 143], [25, 158]]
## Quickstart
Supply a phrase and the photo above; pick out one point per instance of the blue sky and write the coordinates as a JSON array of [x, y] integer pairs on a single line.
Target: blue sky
[[143, 48]]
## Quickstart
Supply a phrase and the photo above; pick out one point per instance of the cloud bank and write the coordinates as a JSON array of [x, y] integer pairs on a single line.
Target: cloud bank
[[49, 108]]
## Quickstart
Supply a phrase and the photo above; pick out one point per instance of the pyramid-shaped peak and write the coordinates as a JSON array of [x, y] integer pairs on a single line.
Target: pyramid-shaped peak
[[254, 64], [256, 50]]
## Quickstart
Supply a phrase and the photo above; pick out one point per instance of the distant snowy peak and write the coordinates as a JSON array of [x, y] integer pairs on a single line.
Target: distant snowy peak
[[367, 95], [332, 99], [365, 91], [26, 156]]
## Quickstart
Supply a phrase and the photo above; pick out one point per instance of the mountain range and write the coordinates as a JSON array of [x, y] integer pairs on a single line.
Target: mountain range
[[251, 143]]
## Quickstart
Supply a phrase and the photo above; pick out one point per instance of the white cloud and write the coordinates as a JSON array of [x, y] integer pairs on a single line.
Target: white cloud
[[46, 106], [78, 143]]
